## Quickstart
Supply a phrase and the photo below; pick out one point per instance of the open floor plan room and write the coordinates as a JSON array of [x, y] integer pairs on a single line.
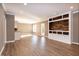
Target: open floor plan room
[[39, 29]]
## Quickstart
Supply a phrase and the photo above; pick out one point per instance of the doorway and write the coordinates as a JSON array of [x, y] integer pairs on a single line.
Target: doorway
[[75, 31], [43, 29]]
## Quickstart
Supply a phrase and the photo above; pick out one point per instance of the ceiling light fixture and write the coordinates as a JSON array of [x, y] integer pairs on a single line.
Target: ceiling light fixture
[[25, 3], [71, 7]]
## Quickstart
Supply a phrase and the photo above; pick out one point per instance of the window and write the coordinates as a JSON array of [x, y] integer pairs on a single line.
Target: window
[[34, 28], [43, 29]]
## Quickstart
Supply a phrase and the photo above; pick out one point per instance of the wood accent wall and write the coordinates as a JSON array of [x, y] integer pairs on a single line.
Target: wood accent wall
[[59, 25]]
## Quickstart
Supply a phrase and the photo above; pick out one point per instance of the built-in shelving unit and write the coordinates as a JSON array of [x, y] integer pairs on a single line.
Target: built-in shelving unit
[[59, 24], [59, 27]]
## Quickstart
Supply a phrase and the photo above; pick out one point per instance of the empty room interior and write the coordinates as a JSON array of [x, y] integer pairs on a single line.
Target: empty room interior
[[39, 29]]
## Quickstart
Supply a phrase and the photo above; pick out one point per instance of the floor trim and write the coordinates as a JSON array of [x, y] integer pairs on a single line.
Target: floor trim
[[4, 46], [75, 43], [10, 41], [62, 41], [2, 49], [76, 11]]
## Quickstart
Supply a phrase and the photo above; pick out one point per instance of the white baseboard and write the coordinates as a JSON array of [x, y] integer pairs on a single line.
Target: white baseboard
[[4, 46], [76, 11], [10, 41], [75, 43], [17, 39], [62, 41], [2, 49]]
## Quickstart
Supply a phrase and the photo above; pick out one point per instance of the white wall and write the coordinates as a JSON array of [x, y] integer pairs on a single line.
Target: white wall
[[26, 28], [2, 27]]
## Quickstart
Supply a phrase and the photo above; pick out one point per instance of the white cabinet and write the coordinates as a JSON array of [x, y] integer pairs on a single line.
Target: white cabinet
[[58, 37], [60, 34], [17, 35]]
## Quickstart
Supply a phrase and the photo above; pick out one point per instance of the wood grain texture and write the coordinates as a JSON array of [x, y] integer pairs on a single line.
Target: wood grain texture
[[40, 46]]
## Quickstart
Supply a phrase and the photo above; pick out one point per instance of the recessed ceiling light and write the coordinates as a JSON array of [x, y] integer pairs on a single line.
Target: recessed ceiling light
[[71, 7], [25, 3]]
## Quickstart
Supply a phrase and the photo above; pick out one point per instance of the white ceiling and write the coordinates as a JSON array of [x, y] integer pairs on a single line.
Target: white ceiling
[[35, 12]]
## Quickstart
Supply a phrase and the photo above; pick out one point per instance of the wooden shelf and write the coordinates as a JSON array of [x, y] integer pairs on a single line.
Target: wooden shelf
[[65, 33], [59, 32], [59, 20], [50, 31], [54, 32], [66, 15], [58, 17], [50, 19]]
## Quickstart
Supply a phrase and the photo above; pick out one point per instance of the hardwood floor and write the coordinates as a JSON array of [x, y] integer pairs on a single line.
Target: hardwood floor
[[39, 46]]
